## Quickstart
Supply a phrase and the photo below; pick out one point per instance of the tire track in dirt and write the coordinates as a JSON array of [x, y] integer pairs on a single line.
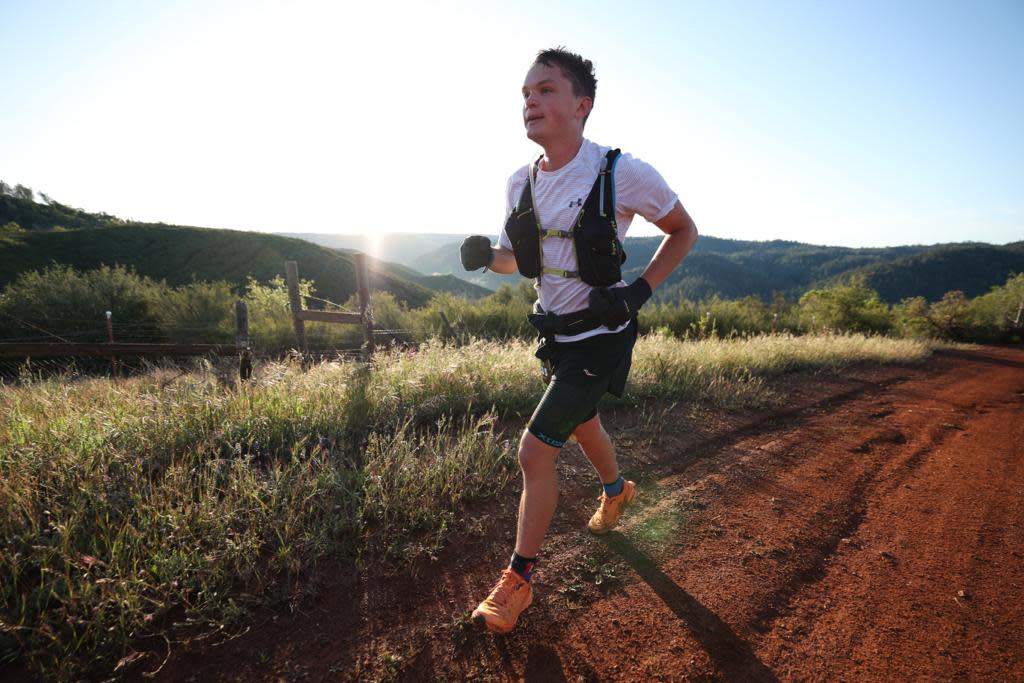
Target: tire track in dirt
[[948, 521]]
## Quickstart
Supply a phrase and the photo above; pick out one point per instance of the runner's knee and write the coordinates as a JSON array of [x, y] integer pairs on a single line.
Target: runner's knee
[[535, 456]]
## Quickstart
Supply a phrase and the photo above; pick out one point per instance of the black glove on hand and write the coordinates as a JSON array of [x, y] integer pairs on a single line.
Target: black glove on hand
[[614, 307], [476, 252]]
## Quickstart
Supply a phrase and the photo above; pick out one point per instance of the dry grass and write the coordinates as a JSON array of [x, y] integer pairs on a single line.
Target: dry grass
[[122, 502]]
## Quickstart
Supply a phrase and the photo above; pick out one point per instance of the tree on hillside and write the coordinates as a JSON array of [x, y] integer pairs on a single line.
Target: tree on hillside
[[781, 312], [748, 315], [1016, 320], [952, 315], [1013, 301], [999, 314], [11, 233], [910, 318], [849, 307], [22, 192]]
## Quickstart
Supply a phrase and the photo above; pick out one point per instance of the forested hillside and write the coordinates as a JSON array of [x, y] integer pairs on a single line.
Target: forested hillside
[[18, 205], [969, 268], [736, 268], [181, 255]]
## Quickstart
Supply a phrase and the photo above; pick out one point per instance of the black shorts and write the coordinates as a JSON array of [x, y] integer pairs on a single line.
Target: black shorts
[[583, 371]]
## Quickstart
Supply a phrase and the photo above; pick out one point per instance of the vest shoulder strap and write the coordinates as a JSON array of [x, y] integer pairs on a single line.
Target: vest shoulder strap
[[606, 177], [525, 201]]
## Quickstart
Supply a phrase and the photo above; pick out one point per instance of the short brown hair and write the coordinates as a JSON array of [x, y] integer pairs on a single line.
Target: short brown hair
[[579, 71]]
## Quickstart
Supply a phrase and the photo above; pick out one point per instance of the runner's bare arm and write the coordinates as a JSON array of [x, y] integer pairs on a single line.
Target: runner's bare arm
[[504, 260], [680, 236]]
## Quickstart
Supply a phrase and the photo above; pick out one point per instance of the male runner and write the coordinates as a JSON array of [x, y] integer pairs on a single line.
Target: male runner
[[579, 198]]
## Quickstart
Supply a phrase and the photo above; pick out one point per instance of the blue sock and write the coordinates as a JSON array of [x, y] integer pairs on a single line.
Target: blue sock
[[615, 488], [522, 565]]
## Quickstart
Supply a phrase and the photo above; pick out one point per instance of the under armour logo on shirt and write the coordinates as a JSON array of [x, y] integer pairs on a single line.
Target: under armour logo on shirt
[[578, 202]]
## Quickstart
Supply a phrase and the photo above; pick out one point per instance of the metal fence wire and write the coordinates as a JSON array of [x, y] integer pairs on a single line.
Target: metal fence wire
[[85, 338], [17, 371]]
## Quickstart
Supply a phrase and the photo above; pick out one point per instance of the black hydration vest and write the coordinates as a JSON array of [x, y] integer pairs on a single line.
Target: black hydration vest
[[599, 254]]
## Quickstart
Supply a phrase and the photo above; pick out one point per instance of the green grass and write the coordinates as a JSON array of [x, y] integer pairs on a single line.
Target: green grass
[[182, 496]]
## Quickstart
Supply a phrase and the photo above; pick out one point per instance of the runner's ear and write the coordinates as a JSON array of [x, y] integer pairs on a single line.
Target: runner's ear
[[585, 106]]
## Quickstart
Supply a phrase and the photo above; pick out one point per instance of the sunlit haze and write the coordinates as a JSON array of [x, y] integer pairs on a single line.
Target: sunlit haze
[[858, 124]]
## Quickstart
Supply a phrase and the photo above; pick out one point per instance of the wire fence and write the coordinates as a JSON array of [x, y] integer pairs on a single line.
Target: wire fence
[[14, 371], [21, 370], [71, 333]]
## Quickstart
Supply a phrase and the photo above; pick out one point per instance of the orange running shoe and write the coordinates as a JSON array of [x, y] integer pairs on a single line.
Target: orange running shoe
[[509, 597], [607, 516]]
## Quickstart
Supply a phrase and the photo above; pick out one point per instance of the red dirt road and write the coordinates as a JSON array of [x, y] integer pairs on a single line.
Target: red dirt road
[[871, 530]]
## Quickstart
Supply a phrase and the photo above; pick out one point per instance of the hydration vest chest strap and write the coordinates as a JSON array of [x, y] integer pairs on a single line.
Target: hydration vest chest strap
[[598, 252]]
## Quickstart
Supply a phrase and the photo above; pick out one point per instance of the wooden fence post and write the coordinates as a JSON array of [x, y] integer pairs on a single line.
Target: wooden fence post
[[110, 338], [449, 331], [291, 270], [242, 340], [365, 308]]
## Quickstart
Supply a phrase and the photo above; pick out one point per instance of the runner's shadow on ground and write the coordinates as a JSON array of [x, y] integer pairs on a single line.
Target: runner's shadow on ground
[[542, 664], [732, 656]]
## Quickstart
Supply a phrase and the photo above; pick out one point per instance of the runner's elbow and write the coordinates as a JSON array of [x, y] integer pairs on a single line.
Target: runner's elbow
[[504, 261]]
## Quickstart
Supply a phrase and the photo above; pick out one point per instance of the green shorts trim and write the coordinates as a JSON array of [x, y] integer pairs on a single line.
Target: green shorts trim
[[583, 372]]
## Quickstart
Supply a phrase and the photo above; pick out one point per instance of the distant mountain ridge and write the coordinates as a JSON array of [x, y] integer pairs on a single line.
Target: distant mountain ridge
[[736, 268], [396, 247]]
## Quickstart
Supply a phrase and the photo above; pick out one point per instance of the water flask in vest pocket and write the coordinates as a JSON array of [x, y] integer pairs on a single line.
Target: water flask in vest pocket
[[547, 371]]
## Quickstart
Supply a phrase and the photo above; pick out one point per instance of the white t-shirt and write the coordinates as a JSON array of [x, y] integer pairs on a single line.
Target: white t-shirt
[[639, 189]]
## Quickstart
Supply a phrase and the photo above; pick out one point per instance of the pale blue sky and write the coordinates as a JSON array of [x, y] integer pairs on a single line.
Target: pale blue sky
[[848, 123]]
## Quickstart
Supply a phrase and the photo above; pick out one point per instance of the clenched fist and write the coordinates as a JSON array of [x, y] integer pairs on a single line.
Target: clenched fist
[[616, 306], [476, 252]]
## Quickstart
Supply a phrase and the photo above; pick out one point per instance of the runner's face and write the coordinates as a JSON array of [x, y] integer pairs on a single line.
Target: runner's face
[[550, 110]]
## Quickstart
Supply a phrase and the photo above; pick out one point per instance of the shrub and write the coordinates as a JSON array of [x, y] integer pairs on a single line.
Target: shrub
[[72, 304], [999, 315], [849, 307], [910, 319], [952, 316]]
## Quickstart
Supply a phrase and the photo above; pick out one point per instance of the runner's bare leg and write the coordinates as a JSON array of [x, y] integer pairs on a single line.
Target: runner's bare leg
[[598, 448], [540, 493]]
